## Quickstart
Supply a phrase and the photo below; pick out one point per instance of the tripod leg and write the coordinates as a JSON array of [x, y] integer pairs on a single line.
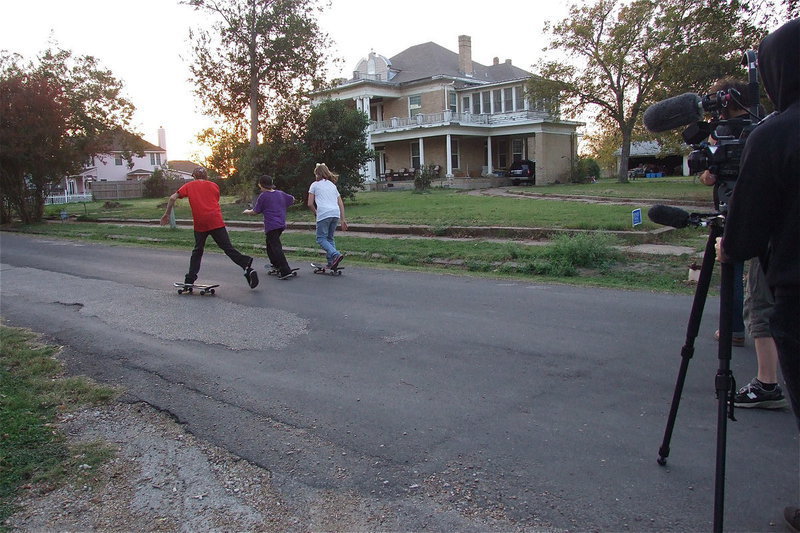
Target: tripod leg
[[706, 269], [724, 385]]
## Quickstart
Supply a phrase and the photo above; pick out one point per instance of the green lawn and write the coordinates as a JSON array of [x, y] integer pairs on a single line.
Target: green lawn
[[593, 259], [448, 207]]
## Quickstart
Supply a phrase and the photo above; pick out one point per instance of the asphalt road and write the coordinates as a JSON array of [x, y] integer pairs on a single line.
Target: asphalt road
[[542, 406]]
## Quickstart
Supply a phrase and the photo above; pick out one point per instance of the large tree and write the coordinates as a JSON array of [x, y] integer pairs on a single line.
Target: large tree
[[620, 57], [54, 114], [333, 133], [259, 58]]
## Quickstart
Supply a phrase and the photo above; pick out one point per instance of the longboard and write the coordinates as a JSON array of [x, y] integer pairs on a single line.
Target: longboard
[[189, 287], [324, 269], [272, 271]]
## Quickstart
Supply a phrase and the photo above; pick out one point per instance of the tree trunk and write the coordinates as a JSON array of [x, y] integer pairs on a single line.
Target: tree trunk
[[253, 79], [624, 156]]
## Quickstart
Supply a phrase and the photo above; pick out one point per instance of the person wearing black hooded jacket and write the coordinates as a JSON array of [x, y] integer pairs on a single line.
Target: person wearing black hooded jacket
[[764, 216]]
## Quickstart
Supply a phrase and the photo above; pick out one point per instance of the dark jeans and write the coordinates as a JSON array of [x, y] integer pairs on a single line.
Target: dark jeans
[[785, 324], [220, 236], [275, 252]]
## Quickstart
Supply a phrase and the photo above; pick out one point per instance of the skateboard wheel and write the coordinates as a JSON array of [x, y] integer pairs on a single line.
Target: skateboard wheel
[[202, 293], [211, 291], [180, 291]]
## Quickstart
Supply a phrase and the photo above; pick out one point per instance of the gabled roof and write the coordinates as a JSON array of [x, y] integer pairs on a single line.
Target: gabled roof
[[182, 165], [121, 141], [424, 61]]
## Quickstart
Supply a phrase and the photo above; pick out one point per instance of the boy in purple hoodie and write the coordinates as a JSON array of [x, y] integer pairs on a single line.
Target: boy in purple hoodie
[[272, 203]]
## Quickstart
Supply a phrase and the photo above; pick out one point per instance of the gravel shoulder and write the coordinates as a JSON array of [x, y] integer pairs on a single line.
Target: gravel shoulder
[[164, 479]]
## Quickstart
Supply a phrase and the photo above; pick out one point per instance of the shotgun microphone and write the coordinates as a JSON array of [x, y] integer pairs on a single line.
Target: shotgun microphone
[[673, 113], [669, 216]]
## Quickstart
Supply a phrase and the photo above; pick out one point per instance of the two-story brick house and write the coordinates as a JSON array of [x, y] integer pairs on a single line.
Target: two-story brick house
[[431, 106]]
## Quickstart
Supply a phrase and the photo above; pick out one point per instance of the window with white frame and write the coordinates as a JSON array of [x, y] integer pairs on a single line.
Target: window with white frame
[[508, 99], [497, 101], [519, 98], [415, 159], [454, 154], [476, 103], [452, 101], [517, 149], [414, 105], [465, 104], [486, 102], [118, 160], [155, 159]]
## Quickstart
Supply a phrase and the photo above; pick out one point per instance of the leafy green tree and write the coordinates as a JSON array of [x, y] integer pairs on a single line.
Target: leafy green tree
[[336, 134], [54, 114], [261, 56], [622, 57], [333, 133]]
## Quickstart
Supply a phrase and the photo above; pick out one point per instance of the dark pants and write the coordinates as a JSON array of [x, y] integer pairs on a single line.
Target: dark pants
[[275, 252], [785, 324], [220, 236]]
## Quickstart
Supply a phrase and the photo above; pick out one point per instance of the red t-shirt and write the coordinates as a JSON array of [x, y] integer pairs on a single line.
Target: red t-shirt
[[204, 200]]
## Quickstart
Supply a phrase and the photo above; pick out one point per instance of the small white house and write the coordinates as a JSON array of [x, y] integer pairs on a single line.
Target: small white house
[[112, 164]]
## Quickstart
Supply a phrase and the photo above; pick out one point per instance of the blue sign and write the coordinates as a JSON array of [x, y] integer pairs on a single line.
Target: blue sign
[[636, 216]]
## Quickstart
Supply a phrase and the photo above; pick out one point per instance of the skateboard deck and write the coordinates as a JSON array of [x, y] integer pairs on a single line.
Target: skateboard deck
[[202, 288], [324, 269], [271, 271]]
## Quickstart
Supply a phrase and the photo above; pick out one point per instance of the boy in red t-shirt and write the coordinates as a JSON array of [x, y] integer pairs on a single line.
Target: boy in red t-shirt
[[207, 215]]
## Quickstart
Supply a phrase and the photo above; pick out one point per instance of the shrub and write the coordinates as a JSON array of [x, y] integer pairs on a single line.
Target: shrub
[[584, 250], [156, 185]]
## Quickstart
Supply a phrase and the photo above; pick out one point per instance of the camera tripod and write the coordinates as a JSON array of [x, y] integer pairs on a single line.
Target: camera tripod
[[724, 383]]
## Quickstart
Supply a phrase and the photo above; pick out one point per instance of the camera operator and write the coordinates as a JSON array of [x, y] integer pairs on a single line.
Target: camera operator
[[764, 216], [763, 391], [723, 189]]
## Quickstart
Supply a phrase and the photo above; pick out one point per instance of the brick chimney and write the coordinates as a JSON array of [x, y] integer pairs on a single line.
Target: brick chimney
[[465, 54]]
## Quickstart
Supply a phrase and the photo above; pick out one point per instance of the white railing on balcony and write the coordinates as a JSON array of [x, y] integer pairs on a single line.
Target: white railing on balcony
[[448, 117], [67, 198]]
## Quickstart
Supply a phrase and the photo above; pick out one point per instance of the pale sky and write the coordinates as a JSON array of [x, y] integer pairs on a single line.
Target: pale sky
[[145, 43]]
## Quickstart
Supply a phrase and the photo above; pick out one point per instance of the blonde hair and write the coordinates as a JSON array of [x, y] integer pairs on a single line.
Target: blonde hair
[[321, 171]]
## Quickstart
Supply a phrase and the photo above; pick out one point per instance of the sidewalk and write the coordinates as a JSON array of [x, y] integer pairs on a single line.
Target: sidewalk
[[523, 236]]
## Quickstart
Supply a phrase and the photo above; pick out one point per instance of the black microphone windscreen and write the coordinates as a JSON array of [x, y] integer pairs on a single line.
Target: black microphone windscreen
[[669, 216], [673, 113]]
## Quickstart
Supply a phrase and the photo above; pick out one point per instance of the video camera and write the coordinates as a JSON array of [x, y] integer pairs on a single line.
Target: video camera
[[721, 158]]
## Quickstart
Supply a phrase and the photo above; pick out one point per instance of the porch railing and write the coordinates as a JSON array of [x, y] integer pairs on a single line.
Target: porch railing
[[449, 117]]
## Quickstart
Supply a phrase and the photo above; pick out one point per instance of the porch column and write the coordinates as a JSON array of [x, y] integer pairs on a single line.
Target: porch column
[[449, 156], [489, 155], [421, 154]]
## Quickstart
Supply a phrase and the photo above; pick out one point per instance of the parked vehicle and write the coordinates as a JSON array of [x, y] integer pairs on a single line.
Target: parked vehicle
[[523, 170]]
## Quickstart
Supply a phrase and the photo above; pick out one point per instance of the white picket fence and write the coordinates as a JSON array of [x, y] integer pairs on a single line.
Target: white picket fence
[[55, 199]]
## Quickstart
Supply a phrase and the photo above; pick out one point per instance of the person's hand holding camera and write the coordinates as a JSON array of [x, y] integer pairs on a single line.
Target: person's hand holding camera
[[707, 178]]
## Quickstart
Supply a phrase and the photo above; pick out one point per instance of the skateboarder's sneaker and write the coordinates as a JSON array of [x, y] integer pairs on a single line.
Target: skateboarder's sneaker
[[252, 277], [287, 276], [755, 395], [336, 261]]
